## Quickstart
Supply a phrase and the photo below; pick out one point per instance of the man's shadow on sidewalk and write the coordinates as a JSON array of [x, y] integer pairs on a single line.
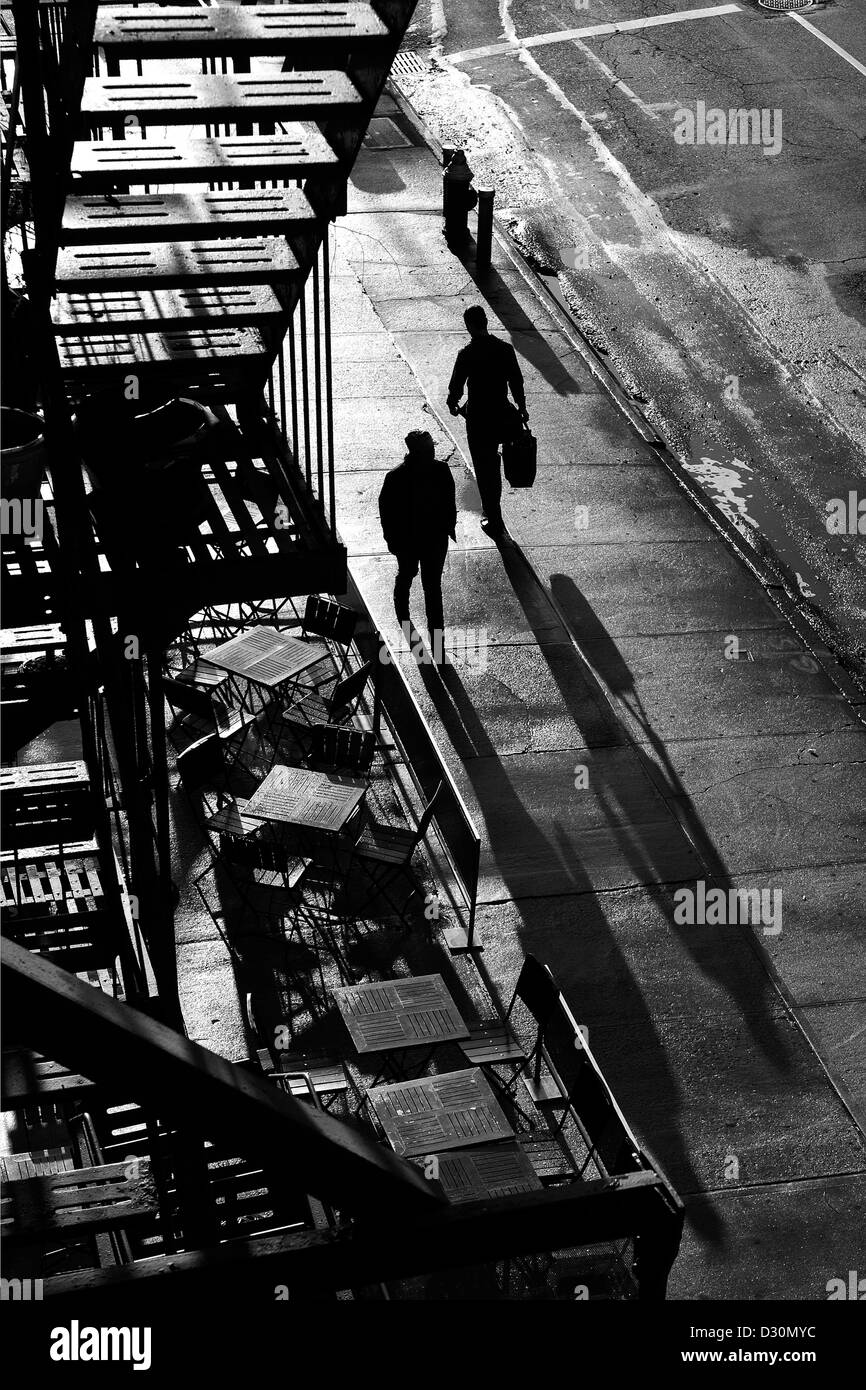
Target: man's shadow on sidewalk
[[511, 824], [507, 823], [607, 663]]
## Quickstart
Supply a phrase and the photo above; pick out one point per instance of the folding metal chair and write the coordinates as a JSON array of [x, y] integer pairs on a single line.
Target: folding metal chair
[[337, 749], [187, 662], [269, 947], [312, 708], [324, 617], [588, 1100], [299, 1074], [496, 1044], [384, 853], [202, 768], [198, 714]]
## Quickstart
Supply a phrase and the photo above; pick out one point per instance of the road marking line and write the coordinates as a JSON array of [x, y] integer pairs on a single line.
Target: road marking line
[[829, 42], [591, 31]]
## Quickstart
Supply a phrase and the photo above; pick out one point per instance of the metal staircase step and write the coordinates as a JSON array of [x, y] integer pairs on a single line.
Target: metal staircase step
[[183, 98], [148, 311], [306, 31], [300, 151], [218, 356], [247, 261], [183, 216]]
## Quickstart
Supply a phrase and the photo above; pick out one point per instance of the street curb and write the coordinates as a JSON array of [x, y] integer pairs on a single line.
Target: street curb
[[813, 628]]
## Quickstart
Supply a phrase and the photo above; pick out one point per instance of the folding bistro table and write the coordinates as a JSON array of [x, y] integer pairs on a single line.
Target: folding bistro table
[[266, 657], [454, 1110], [308, 800], [313, 803], [392, 1016], [495, 1170]]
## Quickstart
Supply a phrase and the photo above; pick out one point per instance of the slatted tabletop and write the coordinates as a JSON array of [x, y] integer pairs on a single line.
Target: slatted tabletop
[[266, 656], [78, 1201], [43, 775], [453, 1110], [497, 1170], [311, 800], [397, 1014]]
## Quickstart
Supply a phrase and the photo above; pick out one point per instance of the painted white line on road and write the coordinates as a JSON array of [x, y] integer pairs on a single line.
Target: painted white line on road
[[591, 31], [829, 42]]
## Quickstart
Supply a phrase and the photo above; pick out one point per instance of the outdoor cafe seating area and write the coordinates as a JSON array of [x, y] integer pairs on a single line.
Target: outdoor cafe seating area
[[308, 861], [317, 876]]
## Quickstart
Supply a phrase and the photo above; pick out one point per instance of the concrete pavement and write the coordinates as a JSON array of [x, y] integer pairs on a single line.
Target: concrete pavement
[[724, 287], [611, 753]]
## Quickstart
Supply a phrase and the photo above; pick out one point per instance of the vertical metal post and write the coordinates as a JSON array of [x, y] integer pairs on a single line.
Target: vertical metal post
[[305, 387], [317, 368], [293, 383], [484, 243], [281, 377], [329, 391]]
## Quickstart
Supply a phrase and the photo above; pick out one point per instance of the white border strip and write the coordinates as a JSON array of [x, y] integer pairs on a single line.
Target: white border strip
[[493, 50], [829, 42]]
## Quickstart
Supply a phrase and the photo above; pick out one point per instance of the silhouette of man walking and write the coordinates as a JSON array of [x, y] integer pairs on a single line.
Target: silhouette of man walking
[[487, 369], [418, 510]]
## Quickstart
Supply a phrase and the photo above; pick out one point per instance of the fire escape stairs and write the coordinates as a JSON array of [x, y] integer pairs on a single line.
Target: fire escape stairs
[[212, 149], [174, 253]]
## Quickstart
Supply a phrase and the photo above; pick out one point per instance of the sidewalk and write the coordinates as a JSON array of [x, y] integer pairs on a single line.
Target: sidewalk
[[734, 1051]]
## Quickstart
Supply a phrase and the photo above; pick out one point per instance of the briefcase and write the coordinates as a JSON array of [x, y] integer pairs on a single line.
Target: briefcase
[[520, 458]]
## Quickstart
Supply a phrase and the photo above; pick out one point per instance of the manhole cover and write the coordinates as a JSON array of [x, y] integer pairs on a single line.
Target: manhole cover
[[787, 4]]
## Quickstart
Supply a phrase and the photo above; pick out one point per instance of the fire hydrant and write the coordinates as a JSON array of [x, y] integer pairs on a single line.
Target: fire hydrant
[[458, 198]]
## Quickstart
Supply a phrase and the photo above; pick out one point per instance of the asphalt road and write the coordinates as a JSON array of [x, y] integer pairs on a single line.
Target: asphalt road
[[725, 283]]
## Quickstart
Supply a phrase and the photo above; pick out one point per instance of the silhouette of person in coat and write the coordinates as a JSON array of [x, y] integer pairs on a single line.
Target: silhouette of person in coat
[[487, 369], [418, 510]]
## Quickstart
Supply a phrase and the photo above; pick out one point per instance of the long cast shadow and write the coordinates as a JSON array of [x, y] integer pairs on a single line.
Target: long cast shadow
[[687, 830], [607, 662], [507, 823]]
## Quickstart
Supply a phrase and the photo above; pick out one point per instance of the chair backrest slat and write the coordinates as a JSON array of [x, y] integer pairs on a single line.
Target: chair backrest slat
[[327, 618], [202, 765], [338, 747], [184, 697], [349, 690]]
